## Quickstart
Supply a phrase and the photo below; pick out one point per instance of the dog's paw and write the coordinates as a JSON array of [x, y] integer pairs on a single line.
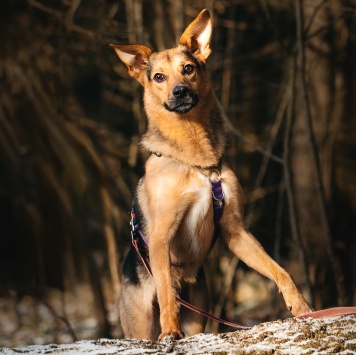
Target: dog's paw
[[301, 309], [168, 337], [299, 305]]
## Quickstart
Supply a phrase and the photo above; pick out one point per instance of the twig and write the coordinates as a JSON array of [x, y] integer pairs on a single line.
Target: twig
[[320, 196], [316, 10], [267, 12], [293, 219], [279, 214], [69, 18], [45, 8], [227, 65], [176, 17], [244, 139], [277, 124], [63, 317], [224, 291], [159, 25], [112, 250], [134, 22], [322, 28], [68, 22]]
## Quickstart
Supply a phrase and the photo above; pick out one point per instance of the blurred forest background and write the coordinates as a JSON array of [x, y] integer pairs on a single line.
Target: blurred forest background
[[70, 122]]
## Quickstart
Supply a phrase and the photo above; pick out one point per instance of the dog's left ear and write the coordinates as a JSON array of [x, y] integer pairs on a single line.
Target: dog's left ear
[[135, 57], [197, 36]]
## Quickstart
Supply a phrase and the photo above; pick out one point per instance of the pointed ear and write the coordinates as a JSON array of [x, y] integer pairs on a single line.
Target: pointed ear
[[135, 57], [197, 36]]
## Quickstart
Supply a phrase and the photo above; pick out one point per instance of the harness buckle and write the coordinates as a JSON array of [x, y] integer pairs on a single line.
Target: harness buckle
[[214, 175], [133, 234], [133, 229], [218, 193], [218, 202]]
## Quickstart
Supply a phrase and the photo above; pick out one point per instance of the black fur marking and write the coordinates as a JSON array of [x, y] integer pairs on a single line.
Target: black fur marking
[[139, 215], [160, 136], [182, 105], [133, 267], [192, 58], [149, 71], [130, 267]]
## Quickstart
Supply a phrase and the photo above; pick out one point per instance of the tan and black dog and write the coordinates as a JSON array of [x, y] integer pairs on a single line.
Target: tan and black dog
[[174, 199]]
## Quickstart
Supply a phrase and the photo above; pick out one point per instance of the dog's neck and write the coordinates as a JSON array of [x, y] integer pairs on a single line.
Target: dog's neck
[[194, 141]]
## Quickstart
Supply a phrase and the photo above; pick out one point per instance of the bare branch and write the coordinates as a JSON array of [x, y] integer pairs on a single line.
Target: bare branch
[[244, 139], [312, 17], [320, 195], [293, 218], [62, 317], [68, 21], [45, 8]]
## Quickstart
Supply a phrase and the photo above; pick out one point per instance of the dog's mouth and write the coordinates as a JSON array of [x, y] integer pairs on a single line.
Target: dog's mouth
[[182, 104]]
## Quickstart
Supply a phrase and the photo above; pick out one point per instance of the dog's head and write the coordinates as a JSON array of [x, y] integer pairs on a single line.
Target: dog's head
[[173, 78]]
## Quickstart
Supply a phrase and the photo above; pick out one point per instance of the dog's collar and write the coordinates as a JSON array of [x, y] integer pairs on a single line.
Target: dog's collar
[[212, 172]]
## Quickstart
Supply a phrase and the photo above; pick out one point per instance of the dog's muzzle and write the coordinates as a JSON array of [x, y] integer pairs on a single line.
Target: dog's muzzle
[[183, 100]]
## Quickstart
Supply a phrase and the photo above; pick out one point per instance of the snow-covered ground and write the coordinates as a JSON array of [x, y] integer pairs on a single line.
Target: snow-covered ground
[[336, 335]]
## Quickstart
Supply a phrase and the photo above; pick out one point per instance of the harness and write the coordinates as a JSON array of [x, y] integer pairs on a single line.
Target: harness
[[218, 209]]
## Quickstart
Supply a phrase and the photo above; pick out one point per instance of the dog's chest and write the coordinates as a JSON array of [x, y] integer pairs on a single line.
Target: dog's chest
[[198, 221]]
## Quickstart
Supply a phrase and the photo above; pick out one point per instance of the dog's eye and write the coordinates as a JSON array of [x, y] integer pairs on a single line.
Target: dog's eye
[[159, 77], [188, 69]]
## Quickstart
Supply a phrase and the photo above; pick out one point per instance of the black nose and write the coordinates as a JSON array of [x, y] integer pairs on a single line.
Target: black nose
[[180, 91]]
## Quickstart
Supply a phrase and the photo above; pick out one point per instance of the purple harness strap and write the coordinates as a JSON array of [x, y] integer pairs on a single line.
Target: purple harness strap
[[218, 209]]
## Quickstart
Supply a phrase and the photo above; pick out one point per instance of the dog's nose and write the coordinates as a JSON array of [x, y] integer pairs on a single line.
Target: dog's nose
[[180, 91]]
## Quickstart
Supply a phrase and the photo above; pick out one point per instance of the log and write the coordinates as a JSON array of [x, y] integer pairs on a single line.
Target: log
[[291, 336]]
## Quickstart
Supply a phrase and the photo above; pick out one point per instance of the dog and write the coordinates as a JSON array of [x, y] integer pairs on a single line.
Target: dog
[[186, 136]]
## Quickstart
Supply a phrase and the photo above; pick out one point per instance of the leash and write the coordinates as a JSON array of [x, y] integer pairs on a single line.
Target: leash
[[324, 313], [136, 231], [218, 208], [329, 312], [185, 303]]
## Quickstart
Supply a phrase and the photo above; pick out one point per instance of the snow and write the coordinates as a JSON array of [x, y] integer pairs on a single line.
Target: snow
[[291, 336]]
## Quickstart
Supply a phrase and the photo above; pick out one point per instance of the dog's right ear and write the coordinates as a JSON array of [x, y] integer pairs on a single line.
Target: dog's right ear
[[197, 36], [135, 57]]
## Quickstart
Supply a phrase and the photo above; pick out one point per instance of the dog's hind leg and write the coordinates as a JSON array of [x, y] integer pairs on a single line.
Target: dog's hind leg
[[197, 294], [139, 311]]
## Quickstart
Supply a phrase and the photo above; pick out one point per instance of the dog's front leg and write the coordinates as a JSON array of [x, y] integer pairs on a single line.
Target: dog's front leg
[[160, 265], [244, 245]]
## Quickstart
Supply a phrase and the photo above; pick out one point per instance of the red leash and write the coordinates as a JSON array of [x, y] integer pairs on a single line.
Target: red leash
[[210, 316], [185, 303], [329, 312], [324, 313]]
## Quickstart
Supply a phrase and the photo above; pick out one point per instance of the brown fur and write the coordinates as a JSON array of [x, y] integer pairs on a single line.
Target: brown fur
[[174, 196]]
